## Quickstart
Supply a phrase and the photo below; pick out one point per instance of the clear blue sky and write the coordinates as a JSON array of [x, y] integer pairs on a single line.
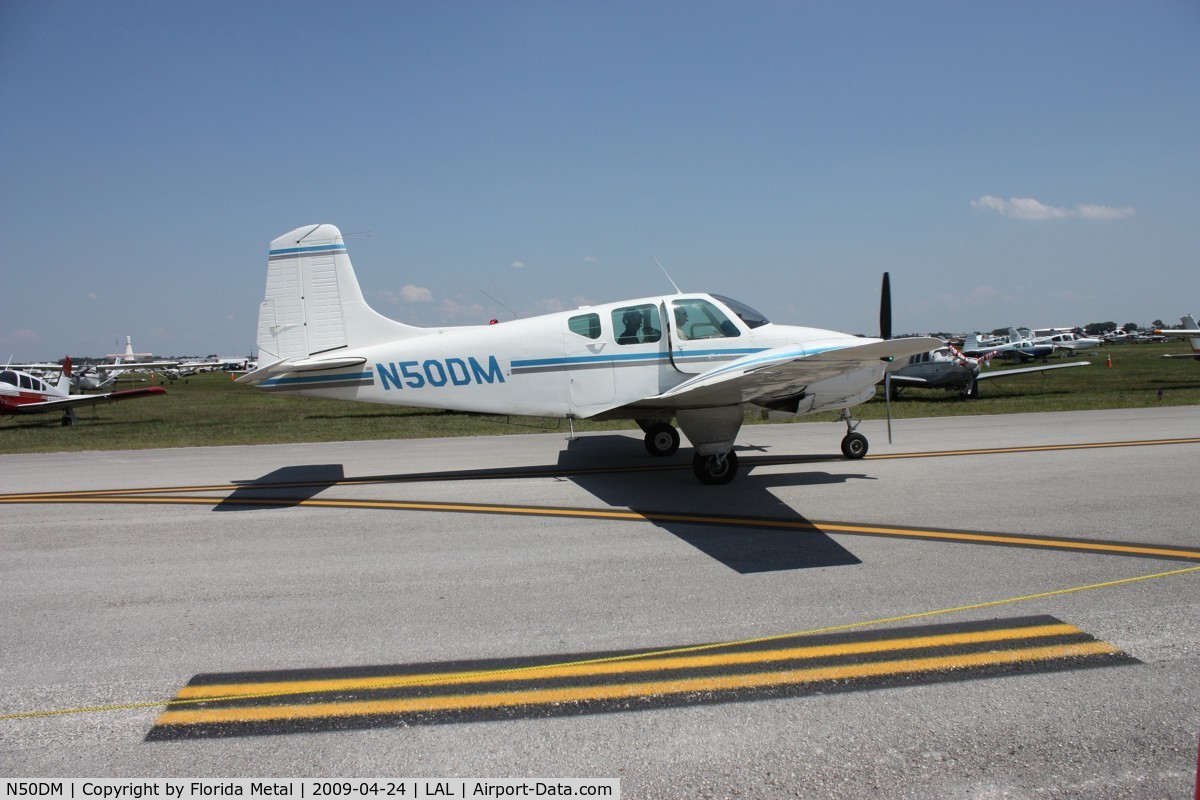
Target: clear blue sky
[[1009, 162]]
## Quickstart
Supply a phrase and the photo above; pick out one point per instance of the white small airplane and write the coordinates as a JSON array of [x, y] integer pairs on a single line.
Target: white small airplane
[[700, 359], [1017, 348], [22, 393], [1069, 341], [948, 368], [1190, 330]]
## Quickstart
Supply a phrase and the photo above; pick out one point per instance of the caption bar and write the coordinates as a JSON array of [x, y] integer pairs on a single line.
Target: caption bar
[[306, 789]]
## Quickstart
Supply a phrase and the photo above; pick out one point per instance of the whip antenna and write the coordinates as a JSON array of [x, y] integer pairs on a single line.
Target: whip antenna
[[664, 272]]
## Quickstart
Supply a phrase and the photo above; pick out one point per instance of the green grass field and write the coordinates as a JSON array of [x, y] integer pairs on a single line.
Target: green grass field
[[213, 410]]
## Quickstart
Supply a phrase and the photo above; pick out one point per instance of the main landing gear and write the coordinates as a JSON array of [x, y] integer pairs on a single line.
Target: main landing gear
[[662, 440], [710, 431], [854, 444]]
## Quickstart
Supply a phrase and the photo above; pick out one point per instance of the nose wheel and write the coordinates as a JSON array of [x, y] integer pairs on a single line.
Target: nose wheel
[[854, 444]]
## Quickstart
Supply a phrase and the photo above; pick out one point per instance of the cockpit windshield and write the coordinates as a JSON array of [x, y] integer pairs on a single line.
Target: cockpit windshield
[[746, 314]]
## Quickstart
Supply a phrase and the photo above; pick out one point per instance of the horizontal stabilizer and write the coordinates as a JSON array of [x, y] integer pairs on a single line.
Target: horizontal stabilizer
[[299, 365]]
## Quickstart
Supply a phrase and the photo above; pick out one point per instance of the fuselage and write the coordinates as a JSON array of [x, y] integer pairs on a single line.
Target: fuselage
[[941, 369], [20, 388], [598, 361]]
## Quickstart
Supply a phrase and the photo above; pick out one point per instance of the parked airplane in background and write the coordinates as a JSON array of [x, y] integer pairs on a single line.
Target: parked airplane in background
[[1190, 330], [700, 359], [1017, 348], [1071, 342], [948, 368], [22, 393]]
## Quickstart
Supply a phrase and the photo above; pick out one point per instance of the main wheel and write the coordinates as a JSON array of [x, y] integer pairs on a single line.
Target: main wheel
[[715, 470], [662, 440], [854, 445]]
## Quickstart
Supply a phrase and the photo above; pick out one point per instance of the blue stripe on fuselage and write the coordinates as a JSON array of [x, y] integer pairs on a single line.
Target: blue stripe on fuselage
[[569, 361], [317, 380]]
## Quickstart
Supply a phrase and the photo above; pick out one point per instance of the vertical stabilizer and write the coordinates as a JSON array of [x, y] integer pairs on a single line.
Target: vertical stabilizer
[[64, 377], [1189, 324], [313, 303]]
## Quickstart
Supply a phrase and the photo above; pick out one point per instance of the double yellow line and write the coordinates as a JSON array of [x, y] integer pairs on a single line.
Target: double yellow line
[[798, 524], [649, 676]]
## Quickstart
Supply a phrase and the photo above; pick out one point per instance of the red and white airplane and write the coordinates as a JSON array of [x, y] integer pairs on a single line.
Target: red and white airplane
[[23, 393]]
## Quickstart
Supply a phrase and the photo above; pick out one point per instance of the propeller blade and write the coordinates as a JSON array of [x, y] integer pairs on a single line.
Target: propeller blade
[[887, 399], [885, 309]]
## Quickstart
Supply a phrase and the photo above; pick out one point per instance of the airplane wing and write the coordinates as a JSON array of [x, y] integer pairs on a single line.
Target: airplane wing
[[1003, 373], [58, 404], [47, 367], [131, 365], [783, 372]]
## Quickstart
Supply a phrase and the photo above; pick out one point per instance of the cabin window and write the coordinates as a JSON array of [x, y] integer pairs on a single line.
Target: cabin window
[[26, 382], [699, 319], [9, 377], [585, 325], [637, 324], [746, 314]]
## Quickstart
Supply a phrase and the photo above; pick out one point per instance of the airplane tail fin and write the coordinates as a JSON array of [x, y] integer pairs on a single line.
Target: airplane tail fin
[[313, 303], [972, 343], [1189, 323], [1014, 335], [64, 377]]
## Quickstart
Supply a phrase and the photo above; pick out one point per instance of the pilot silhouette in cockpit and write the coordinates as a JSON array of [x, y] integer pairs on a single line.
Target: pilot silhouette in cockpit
[[632, 320]]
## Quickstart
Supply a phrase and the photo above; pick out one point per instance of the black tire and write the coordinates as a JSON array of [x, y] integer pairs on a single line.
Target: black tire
[[854, 445], [715, 470], [661, 440]]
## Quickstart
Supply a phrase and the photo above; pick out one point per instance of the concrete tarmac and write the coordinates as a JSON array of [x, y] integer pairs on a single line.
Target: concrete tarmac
[[136, 572]]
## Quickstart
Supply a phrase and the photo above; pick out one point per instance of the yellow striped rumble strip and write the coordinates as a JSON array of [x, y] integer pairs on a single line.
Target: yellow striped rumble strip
[[358, 697]]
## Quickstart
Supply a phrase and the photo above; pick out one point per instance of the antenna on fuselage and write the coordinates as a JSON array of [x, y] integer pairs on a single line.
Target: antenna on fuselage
[[664, 271], [497, 302]]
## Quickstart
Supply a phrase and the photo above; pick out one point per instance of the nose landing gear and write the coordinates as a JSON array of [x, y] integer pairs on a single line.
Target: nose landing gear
[[854, 444]]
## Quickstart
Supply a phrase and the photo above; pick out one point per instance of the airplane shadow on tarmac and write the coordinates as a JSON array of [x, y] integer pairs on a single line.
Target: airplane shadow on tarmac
[[616, 470], [745, 548], [284, 487]]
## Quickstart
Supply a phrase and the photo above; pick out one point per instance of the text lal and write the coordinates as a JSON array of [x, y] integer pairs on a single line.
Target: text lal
[[481, 789]]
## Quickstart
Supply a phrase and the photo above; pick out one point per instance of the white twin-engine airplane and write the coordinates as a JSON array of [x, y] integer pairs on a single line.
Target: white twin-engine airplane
[[700, 359]]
